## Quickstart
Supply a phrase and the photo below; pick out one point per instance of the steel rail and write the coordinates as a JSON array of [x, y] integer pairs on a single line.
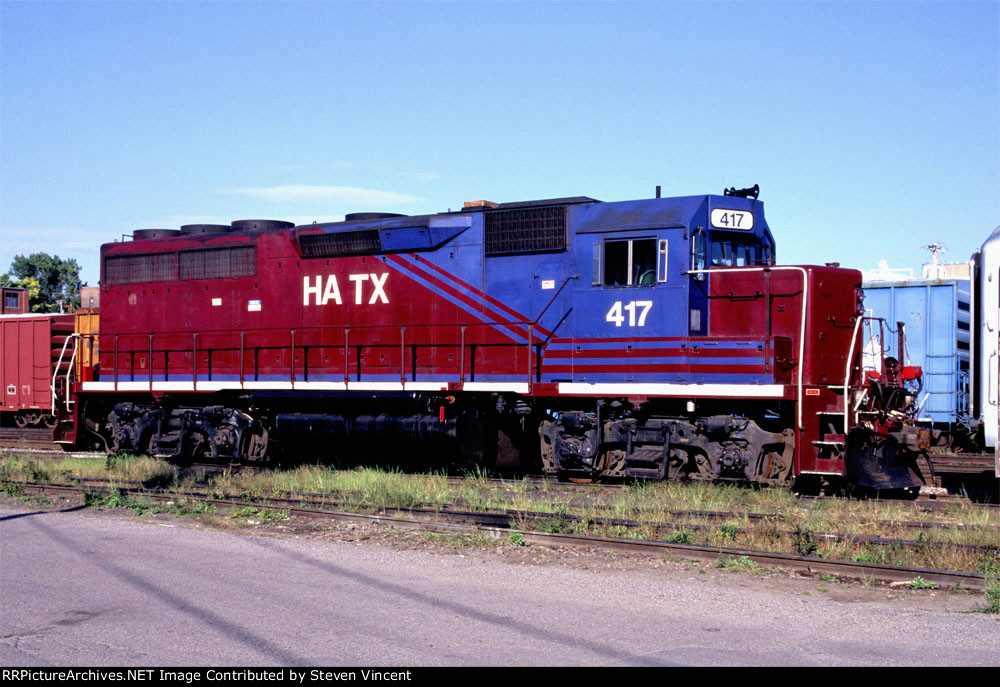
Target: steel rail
[[338, 496]]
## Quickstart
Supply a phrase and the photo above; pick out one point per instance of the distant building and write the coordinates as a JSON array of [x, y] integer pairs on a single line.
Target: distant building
[[946, 270], [14, 301], [933, 270], [90, 297], [884, 273]]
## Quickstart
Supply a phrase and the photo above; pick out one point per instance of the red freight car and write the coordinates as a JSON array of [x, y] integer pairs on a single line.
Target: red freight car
[[30, 348]]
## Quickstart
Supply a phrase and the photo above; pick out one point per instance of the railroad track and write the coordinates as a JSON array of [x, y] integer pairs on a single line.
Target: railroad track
[[37, 438], [544, 484], [504, 524], [955, 463]]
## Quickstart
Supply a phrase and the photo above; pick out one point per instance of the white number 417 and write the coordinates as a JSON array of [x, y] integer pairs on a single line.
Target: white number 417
[[615, 314]]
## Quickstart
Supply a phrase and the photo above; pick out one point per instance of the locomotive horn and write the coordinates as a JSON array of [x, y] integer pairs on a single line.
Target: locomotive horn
[[753, 192]]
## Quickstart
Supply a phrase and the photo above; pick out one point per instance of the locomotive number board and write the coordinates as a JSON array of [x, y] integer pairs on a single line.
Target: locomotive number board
[[732, 219]]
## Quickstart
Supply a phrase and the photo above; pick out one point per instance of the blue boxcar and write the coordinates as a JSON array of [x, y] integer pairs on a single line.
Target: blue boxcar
[[936, 315]]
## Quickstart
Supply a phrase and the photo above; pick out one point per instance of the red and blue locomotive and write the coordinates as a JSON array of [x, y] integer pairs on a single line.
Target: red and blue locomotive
[[650, 338]]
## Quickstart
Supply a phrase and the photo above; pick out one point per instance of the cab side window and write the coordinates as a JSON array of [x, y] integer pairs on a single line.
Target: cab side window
[[699, 257], [630, 262]]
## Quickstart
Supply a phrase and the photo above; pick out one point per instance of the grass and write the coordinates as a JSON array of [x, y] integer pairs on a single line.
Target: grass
[[919, 583], [259, 514], [474, 540], [992, 598], [149, 471], [682, 537], [741, 564]]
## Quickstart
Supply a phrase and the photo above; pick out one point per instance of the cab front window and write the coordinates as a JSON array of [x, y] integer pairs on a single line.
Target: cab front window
[[734, 254]]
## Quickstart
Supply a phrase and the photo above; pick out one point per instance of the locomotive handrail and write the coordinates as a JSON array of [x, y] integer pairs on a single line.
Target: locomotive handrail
[[125, 344], [322, 327], [531, 327], [128, 345], [552, 300], [802, 331], [991, 380], [69, 371], [847, 372], [55, 372]]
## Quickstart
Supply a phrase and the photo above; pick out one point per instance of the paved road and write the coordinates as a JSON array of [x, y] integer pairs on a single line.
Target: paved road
[[84, 589]]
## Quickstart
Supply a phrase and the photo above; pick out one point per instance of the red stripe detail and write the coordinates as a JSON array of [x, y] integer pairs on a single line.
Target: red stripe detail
[[447, 288], [498, 304], [653, 353], [628, 339], [485, 296], [639, 368]]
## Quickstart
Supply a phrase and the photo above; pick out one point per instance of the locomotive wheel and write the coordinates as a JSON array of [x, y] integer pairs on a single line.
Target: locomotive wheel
[[21, 421], [50, 421]]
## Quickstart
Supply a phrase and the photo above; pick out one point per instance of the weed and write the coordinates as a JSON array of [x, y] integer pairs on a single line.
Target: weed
[[729, 531], [822, 589], [992, 595], [244, 512], [476, 539], [557, 525], [682, 537], [828, 578], [38, 473], [274, 515], [516, 538], [919, 583], [805, 543], [9, 487], [116, 499], [743, 563]]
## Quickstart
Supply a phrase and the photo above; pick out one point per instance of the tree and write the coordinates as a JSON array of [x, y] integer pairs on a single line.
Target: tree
[[48, 280]]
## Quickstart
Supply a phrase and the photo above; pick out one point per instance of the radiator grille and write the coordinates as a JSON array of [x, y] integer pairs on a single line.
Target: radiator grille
[[526, 230], [361, 242], [212, 263], [130, 269], [218, 263]]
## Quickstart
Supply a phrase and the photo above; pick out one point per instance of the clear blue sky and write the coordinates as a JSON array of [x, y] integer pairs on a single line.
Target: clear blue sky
[[872, 128]]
